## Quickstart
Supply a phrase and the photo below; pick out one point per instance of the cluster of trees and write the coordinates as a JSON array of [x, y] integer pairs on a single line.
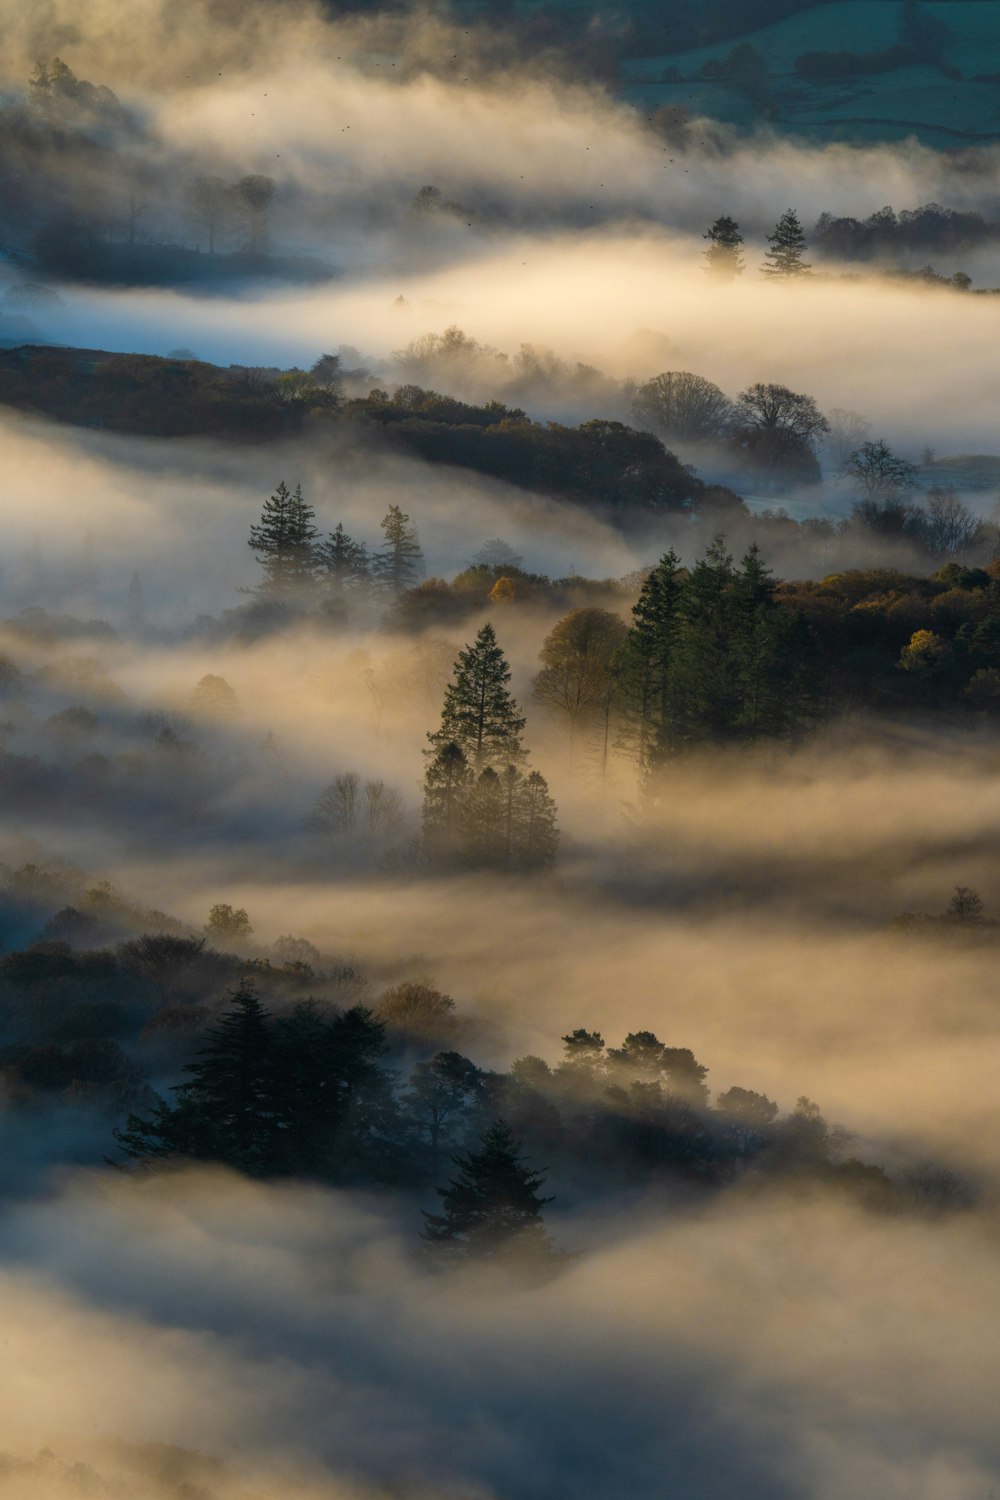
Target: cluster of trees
[[308, 1093], [886, 233], [297, 565], [711, 657], [481, 808], [784, 259]]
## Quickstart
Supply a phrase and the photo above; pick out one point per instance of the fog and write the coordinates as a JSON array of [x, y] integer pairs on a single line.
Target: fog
[[188, 1333]]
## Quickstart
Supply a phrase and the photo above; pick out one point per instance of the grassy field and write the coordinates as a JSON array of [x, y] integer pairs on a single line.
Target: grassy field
[[913, 101]]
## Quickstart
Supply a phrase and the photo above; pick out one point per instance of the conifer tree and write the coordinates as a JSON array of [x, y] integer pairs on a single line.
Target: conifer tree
[[479, 714], [345, 567], [225, 1111], [397, 564], [284, 541], [642, 668], [446, 782], [724, 254], [772, 655], [703, 689], [484, 825], [787, 246], [493, 1206], [536, 830]]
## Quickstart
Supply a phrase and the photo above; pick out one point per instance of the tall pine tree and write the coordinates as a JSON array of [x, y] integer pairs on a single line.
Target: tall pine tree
[[479, 714], [446, 783], [642, 667], [724, 254], [787, 244], [284, 541], [345, 568], [398, 563], [492, 1207]]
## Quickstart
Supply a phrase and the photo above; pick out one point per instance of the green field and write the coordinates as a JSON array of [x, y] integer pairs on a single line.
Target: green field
[[912, 101]]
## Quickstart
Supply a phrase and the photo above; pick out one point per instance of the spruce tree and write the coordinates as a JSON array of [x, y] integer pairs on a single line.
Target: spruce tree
[[703, 687], [345, 568], [284, 542], [484, 828], [536, 829], [642, 667], [724, 254], [226, 1110], [479, 714], [788, 243], [492, 1207], [397, 564], [772, 655], [446, 782]]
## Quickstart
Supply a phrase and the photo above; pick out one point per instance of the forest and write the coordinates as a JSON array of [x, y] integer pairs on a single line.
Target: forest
[[499, 729]]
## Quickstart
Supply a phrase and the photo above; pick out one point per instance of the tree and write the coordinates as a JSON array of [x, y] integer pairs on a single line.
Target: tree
[[442, 1091], [345, 568], [284, 541], [577, 657], [642, 666], [496, 553], [227, 924], [951, 526], [776, 429], [772, 655], [254, 194], [965, 906], [724, 254], [703, 695], [338, 807], [397, 564], [479, 715], [492, 1207], [685, 408], [536, 830], [747, 1116], [446, 782], [213, 697], [879, 476], [225, 1111], [485, 822], [211, 203], [788, 242]]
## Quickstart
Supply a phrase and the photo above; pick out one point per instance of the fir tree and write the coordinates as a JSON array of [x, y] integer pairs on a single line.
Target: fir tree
[[772, 655], [225, 1112], [484, 829], [788, 243], [345, 568], [284, 542], [703, 690], [536, 830], [446, 782], [724, 254], [479, 714], [642, 667], [398, 563], [493, 1206]]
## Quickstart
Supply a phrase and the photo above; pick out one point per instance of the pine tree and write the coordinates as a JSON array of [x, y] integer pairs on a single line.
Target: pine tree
[[484, 827], [446, 782], [772, 655], [724, 254], [479, 714], [642, 668], [493, 1206], [284, 542], [788, 243], [225, 1112], [536, 829], [703, 689], [345, 568], [398, 563]]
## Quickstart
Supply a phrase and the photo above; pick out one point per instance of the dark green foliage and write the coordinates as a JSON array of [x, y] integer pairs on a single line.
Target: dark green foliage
[[397, 564], [786, 257], [493, 1207], [284, 541], [345, 568], [479, 714], [643, 665]]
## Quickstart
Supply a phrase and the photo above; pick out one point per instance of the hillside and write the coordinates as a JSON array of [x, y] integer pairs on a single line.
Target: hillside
[[948, 99]]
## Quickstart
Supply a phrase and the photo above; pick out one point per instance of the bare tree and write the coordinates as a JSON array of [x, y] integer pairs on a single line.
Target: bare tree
[[338, 807], [951, 527]]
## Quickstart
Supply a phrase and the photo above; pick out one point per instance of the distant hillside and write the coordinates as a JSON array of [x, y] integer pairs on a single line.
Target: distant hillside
[[936, 81]]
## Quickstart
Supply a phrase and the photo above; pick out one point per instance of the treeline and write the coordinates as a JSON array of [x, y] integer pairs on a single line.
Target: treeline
[[308, 1093]]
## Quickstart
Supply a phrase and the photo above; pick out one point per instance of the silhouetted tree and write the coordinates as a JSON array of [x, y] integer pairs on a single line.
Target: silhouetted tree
[[479, 714], [397, 564], [724, 254], [787, 244], [284, 541], [683, 408], [493, 1206]]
